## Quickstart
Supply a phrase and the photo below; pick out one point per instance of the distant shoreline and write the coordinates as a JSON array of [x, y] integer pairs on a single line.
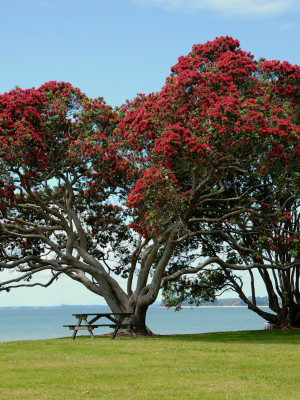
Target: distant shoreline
[[98, 306], [213, 307]]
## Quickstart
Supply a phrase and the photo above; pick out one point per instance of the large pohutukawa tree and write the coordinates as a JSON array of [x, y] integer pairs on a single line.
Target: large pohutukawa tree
[[190, 160], [216, 158]]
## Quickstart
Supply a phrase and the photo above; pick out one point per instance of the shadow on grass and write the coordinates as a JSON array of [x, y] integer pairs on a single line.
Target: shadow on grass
[[257, 337], [268, 336]]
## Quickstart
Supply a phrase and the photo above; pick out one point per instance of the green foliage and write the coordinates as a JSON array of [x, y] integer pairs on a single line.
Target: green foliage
[[201, 288]]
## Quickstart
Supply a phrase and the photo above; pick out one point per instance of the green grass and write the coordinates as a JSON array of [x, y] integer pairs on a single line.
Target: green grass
[[232, 365]]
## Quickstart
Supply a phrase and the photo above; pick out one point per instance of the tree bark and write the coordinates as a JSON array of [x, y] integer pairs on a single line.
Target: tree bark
[[287, 314]]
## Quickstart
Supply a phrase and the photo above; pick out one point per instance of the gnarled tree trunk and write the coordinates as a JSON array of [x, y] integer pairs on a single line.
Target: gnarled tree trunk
[[284, 297]]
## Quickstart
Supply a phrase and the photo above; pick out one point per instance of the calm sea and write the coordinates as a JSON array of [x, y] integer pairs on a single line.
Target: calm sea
[[46, 323]]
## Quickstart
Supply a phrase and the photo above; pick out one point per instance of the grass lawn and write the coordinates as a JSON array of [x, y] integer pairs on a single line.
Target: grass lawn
[[230, 365]]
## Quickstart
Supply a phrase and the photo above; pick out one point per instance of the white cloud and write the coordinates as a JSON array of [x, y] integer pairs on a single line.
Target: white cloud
[[241, 8]]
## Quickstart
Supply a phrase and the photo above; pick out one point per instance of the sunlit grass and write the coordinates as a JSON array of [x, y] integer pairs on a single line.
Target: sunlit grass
[[231, 365]]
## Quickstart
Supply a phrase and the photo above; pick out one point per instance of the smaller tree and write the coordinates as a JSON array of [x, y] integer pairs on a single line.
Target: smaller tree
[[271, 234]]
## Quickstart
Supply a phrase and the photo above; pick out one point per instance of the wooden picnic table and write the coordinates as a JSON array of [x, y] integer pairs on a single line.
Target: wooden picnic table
[[115, 320]]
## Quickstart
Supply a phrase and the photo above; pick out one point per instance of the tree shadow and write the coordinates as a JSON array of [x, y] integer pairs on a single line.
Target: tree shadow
[[264, 336]]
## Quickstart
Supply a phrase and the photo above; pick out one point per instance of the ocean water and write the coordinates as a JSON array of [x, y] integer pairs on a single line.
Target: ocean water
[[46, 323]]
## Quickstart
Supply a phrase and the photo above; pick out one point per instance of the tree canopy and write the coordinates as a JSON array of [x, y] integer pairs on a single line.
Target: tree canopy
[[217, 154], [203, 173]]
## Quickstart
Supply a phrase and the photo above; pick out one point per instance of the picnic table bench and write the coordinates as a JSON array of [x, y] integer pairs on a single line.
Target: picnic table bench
[[115, 320]]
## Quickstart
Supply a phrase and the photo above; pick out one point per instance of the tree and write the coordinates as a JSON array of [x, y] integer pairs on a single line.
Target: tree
[[271, 232], [217, 152], [57, 189], [62, 185], [189, 168]]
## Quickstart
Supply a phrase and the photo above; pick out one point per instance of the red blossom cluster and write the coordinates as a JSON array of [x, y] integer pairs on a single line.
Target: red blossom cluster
[[218, 108], [21, 123]]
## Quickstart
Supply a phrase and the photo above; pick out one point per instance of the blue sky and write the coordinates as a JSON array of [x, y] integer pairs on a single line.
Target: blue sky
[[118, 48]]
